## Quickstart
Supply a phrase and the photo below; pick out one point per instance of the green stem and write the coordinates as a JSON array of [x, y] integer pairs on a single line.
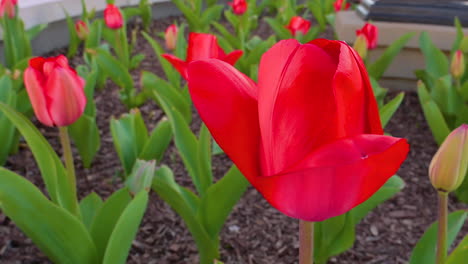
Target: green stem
[[68, 156], [458, 84], [306, 240], [442, 232]]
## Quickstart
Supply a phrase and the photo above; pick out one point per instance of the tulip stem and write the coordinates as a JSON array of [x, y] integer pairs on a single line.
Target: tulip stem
[[68, 156], [306, 240], [442, 233]]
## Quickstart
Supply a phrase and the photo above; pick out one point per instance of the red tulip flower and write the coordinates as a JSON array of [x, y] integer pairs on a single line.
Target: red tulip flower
[[202, 46], [81, 29], [308, 136], [371, 33], [55, 90], [170, 36], [113, 17], [8, 7], [238, 6], [298, 24], [338, 3]]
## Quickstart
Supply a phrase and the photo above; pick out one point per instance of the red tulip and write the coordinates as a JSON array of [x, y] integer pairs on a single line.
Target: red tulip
[[308, 136], [202, 46], [238, 6], [113, 17], [298, 24], [371, 33], [339, 3], [8, 7], [55, 90], [81, 29], [170, 36]]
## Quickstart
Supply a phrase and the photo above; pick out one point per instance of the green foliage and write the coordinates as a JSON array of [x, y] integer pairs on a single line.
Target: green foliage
[[425, 249]]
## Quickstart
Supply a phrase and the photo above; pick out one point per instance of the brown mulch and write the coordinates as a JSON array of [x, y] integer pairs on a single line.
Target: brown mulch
[[255, 232]]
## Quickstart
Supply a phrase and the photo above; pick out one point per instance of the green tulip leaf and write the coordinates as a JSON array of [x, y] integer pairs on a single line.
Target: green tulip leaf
[[425, 249], [437, 64], [220, 198], [57, 233], [7, 96], [460, 253], [378, 67], [89, 207], [125, 230], [279, 29], [386, 112], [106, 219], [433, 115], [157, 142], [85, 134]]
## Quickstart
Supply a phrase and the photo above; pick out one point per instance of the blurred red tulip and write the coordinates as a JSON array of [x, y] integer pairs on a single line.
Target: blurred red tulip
[[82, 29], [371, 33], [170, 36], [202, 46], [339, 3], [238, 6], [113, 17], [308, 136], [55, 90], [8, 7], [298, 24]]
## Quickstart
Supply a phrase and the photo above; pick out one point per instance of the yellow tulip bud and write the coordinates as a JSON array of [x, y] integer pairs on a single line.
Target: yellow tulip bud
[[458, 64], [360, 45], [449, 165]]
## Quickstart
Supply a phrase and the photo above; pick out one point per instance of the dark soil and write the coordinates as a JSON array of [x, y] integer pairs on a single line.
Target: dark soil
[[255, 232]]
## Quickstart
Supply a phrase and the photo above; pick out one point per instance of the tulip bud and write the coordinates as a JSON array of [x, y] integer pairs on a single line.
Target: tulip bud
[[82, 29], [113, 17], [298, 24], [55, 90], [458, 64], [8, 7], [170, 36], [371, 32], [338, 4], [141, 176], [238, 6], [360, 45], [449, 165]]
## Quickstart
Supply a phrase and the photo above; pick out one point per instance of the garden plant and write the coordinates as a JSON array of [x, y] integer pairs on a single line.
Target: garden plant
[[229, 108]]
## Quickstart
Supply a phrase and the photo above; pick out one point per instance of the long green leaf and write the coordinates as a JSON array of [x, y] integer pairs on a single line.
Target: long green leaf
[[378, 68], [437, 63], [59, 235], [157, 142], [387, 111], [433, 115], [459, 254], [125, 230], [7, 96], [219, 200], [89, 207], [85, 134], [425, 250], [204, 159], [106, 219]]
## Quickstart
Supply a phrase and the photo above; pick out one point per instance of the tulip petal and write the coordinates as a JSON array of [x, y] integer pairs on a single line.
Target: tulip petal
[[233, 57], [295, 105], [34, 86], [179, 65], [66, 95], [334, 178], [226, 101], [357, 108], [201, 46]]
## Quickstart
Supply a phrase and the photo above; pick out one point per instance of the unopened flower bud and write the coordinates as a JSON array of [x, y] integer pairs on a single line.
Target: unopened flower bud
[[360, 45], [449, 165], [82, 29], [170, 36], [458, 64]]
